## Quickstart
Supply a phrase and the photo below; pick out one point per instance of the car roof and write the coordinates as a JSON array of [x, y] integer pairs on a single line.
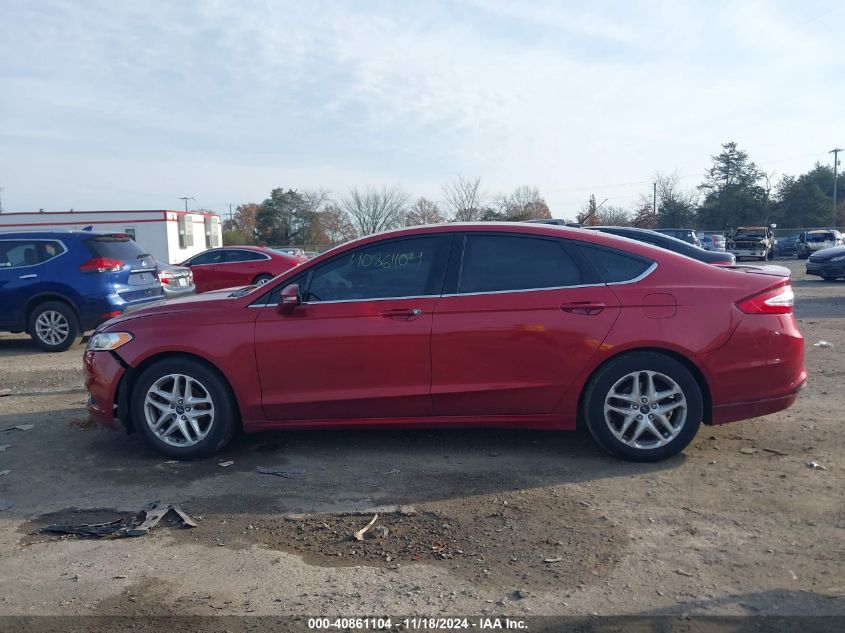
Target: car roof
[[57, 234]]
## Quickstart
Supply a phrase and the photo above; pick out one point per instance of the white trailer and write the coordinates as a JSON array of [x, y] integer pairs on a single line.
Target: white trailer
[[170, 236]]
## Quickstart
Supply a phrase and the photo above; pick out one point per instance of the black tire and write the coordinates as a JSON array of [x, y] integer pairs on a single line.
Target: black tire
[[829, 278], [260, 280], [599, 388], [221, 426], [51, 320]]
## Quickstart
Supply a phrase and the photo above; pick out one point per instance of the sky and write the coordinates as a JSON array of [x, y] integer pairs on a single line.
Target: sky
[[129, 105]]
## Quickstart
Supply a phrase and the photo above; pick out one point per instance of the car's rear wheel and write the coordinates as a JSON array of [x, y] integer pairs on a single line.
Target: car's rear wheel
[[260, 280], [183, 408], [643, 406], [829, 278], [53, 326]]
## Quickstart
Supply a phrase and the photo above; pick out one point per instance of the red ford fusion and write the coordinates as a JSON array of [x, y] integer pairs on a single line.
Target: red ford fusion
[[232, 266], [519, 325]]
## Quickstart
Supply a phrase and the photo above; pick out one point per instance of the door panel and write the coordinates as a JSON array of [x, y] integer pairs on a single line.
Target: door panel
[[358, 359], [515, 353], [360, 344]]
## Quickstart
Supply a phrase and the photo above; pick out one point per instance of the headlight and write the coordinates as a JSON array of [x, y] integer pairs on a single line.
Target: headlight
[[108, 341], [838, 259]]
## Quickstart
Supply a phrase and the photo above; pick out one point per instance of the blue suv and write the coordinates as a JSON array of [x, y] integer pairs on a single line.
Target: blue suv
[[57, 284]]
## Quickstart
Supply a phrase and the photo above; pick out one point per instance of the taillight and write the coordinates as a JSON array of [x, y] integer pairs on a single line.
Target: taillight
[[101, 265], [779, 300]]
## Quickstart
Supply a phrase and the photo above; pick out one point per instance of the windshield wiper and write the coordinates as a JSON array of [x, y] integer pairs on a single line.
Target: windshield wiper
[[240, 292]]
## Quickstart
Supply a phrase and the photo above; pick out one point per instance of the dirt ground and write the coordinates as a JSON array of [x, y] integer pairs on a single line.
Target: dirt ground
[[470, 522]]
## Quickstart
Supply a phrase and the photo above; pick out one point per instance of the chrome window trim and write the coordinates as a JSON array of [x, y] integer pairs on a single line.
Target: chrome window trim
[[319, 303], [34, 239]]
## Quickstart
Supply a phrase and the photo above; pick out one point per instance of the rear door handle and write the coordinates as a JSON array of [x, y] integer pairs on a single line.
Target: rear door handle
[[30, 276], [402, 314], [583, 307]]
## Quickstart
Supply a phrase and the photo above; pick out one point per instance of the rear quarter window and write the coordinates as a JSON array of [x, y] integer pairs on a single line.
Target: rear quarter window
[[614, 266]]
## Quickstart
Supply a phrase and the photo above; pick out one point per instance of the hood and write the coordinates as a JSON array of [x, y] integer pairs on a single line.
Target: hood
[[827, 253], [190, 303]]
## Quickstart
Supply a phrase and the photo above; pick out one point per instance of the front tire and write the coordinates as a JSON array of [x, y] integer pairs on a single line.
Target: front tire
[[183, 408], [643, 406], [53, 326]]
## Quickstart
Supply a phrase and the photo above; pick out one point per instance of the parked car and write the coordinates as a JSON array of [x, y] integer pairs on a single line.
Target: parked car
[[786, 246], [814, 241], [177, 281], [668, 242], [829, 264], [298, 253], [687, 235], [713, 242], [755, 242], [478, 324], [232, 266], [55, 285]]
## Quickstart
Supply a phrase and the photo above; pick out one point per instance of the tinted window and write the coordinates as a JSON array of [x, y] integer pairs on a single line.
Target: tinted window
[[397, 268], [122, 248], [17, 253], [237, 255], [208, 257], [615, 266], [507, 262]]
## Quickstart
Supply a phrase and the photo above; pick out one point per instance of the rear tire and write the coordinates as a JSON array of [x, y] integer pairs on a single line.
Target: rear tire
[[651, 419], [183, 409], [829, 278], [260, 280], [53, 326]]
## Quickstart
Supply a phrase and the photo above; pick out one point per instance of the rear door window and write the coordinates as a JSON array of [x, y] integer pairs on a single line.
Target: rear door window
[[236, 255], [498, 263]]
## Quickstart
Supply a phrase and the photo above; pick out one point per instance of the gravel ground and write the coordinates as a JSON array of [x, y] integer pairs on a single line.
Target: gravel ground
[[470, 522]]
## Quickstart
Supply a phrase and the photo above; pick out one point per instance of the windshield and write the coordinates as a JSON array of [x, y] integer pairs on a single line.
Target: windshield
[[820, 237]]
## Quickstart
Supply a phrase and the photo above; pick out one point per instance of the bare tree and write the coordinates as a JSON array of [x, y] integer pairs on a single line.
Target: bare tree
[[464, 199], [375, 210], [424, 211], [315, 199], [524, 203], [613, 216]]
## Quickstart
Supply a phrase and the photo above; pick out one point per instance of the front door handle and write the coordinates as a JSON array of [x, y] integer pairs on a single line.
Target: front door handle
[[30, 276], [583, 307], [402, 314]]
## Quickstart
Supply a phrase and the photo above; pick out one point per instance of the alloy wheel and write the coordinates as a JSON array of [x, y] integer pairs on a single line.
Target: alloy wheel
[[179, 410], [645, 409], [52, 327]]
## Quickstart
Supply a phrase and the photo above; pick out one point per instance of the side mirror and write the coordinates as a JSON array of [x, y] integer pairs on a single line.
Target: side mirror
[[289, 299]]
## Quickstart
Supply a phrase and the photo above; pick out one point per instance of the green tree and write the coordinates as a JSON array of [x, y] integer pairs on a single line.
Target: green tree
[[803, 201], [675, 208], [284, 218], [733, 193]]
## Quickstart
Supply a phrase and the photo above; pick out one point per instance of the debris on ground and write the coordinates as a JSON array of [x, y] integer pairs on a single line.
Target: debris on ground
[[20, 427], [4, 447], [4, 505], [816, 466], [392, 471], [555, 559], [359, 535], [748, 451], [3, 473], [138, 524], [226, 464], [822, 344], [681, 572], [775, 451], [287, 474]]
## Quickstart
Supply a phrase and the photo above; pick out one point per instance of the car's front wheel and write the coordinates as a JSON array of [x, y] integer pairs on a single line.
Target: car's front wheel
[[183, 408], [643, 406], [53, 326]]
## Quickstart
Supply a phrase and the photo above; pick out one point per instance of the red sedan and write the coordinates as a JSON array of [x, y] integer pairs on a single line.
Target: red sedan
[[484, 324], [231, 266]]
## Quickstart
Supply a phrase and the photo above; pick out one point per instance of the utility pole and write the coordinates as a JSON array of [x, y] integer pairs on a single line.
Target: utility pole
[[186, 198], [230, 212], [654, 202], [835, 153]]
